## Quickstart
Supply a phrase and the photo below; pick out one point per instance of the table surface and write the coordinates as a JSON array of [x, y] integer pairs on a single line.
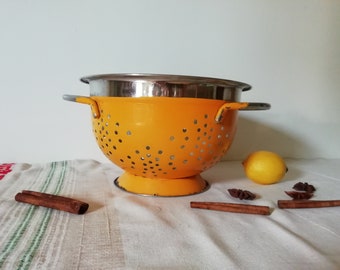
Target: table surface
[[121, 230]]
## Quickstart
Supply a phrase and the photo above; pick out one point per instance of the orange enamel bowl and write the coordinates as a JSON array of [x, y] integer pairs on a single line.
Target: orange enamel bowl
[[162, 143]]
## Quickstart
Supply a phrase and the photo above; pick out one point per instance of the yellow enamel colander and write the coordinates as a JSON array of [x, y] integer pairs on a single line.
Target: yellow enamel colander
[[163, 143]]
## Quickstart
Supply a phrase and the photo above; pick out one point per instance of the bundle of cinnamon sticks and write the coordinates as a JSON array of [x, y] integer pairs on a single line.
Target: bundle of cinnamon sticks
[[78, 207], [263, 210]]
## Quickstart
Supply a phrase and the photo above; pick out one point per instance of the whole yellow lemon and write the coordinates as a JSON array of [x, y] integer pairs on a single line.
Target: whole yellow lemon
[[265, 167]]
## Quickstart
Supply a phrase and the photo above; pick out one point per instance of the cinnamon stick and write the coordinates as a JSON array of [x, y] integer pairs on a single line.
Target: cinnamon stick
[[232, 207], [52, 201], [307, 203]]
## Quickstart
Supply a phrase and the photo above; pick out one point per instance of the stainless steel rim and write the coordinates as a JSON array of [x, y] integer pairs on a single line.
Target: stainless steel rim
[[173, 79], [157, 85]]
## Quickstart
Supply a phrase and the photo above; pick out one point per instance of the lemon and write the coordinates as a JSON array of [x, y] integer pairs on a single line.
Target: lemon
[[264, 167]]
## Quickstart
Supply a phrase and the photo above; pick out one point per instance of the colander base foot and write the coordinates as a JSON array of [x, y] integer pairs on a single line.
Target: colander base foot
[[161, 186]]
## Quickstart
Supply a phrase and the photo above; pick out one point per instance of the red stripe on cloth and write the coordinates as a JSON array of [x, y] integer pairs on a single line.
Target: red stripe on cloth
[[5, 168]]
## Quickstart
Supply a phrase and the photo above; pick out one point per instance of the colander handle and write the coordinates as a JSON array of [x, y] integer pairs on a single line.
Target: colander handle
[[85, 100], [256, 106], [243, 106]]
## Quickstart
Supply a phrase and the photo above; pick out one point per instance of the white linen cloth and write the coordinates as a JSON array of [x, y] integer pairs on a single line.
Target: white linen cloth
[[127, 231]]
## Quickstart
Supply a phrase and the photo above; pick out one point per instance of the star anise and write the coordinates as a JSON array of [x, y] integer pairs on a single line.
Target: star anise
[[304, 187], [298, 195], [241, 194]]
